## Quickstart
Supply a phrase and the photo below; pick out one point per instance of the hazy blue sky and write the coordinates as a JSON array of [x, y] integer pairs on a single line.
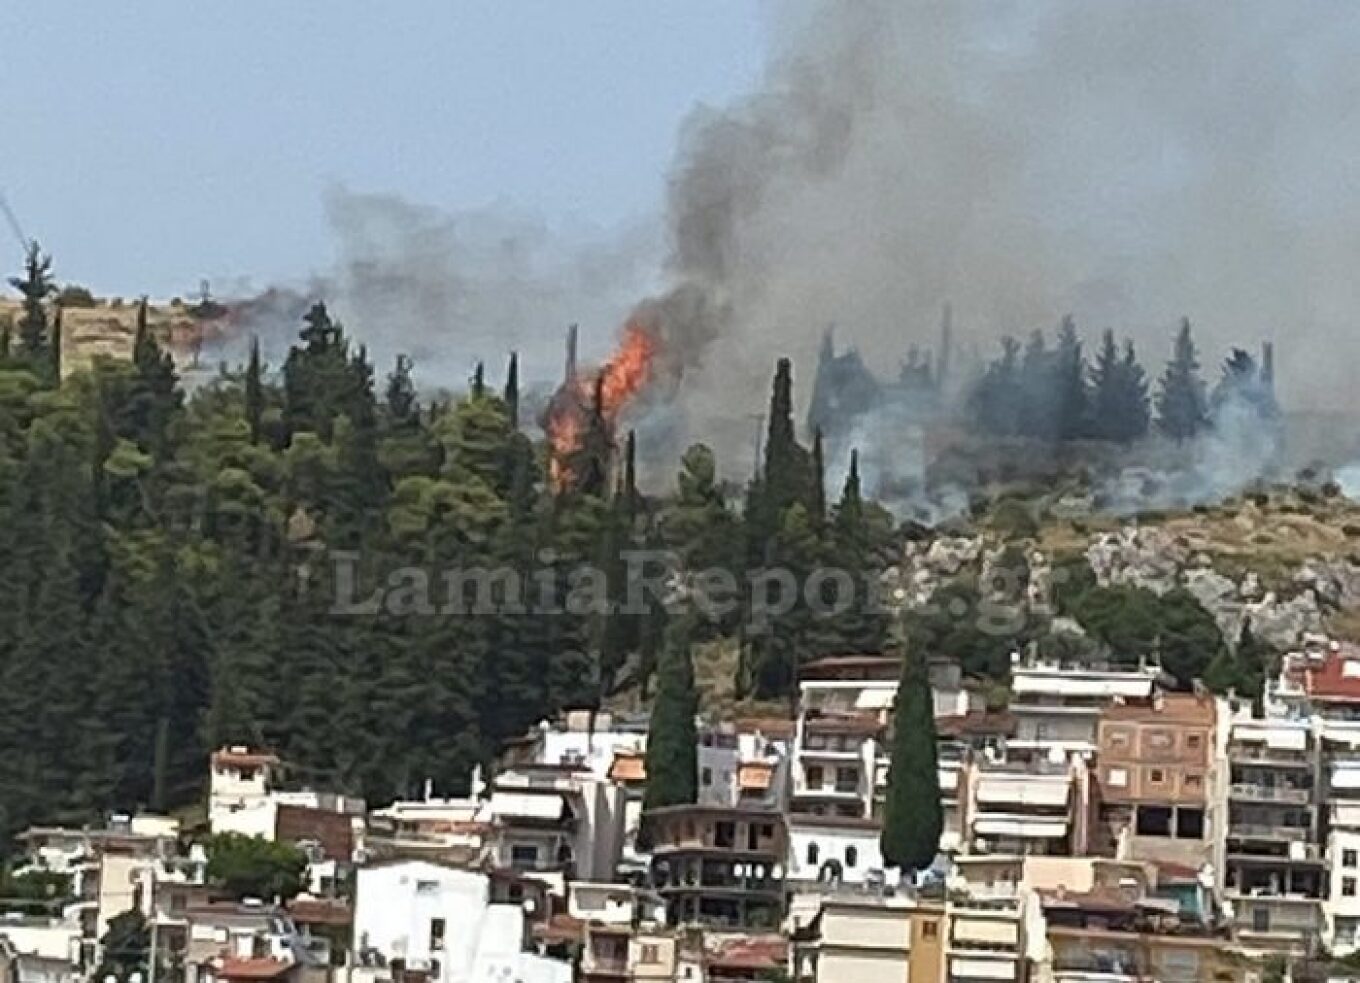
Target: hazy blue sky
[[151, 143]]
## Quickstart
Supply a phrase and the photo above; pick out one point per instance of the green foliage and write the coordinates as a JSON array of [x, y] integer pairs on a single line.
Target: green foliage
[[36, 891], [672, 739], [1133, 623], [252, 867], [125, 947], [913, 817]]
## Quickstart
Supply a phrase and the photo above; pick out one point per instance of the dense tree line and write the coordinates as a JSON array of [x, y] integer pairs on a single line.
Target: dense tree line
[[172, 562], [1054, 392]]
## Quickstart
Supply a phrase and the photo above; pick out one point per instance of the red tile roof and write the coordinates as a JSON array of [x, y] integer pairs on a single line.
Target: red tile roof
[[976, 723], [750, 952], [1338, 678], [560, 928], [241, 758], [320, 911], [253, 969], [1168, 708], [856, 725]]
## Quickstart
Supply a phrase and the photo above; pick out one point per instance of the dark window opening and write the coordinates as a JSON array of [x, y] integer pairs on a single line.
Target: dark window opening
[[1153, 821], [724, 835], [1190, 824]]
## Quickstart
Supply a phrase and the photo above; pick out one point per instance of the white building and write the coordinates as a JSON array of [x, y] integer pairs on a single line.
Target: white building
[[834, 850], [419, 915], [1057, 707]]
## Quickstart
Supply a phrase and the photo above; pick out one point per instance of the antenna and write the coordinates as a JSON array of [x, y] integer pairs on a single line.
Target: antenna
[[13, 222]]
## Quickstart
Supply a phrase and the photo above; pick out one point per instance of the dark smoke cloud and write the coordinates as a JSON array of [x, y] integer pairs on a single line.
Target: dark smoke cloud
[[1126, 162]]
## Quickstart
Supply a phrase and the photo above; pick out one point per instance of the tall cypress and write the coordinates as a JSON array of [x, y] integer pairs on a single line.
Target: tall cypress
[[913, 818], [512, 391], [672, 737], [817, 500], [254, 395]]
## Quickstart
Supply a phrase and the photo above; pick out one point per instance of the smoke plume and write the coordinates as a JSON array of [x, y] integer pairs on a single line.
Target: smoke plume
[[1128, 163]]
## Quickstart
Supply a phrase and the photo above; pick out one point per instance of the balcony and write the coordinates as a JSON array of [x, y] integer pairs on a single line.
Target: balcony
[[1251, 792], [1264, 831], [1263, 755]]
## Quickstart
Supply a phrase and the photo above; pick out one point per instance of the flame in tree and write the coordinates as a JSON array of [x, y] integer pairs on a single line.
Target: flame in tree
[[615, 383]]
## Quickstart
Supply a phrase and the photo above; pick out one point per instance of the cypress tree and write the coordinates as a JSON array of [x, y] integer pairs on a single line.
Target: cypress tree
[[817, 502], [1070, 411], [479, 381], [913, 818], [1182, 410], [254, 395], [512, 391], [672, 738], [786, 466]]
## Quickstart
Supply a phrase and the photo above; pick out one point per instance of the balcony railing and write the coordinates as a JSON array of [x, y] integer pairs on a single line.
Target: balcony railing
[[1253, 753], [1269, 793], [1262, 831]]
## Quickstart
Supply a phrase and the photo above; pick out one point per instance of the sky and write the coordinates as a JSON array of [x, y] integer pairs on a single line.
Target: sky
[[152, 144]]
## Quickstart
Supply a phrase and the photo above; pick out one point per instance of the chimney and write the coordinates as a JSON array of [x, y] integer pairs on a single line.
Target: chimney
[[571, 353]]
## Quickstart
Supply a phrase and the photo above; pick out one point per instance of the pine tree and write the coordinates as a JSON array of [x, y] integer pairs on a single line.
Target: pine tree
[[1070, 398], [672, 738], [913, 818], [1119, 410], [36, 285], [1182, 411]]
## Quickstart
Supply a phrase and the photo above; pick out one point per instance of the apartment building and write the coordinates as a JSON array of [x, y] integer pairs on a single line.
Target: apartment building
[[558, 821], [872, 940], [1329, 676], [719, 867], [1057, 706], [1274, 868], [1027, 807], [1155, 773]]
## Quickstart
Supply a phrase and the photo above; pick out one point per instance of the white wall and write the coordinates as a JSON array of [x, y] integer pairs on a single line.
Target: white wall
[[832, 844], [47, 939], [1339, 906], [396, 904]]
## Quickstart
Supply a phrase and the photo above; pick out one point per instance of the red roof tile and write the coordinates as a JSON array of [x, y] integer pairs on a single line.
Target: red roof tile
[[1338, 678], [750, 952]]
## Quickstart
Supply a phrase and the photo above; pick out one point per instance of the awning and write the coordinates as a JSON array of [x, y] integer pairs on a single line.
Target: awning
[[877, 698], [990, 931], [517, 805], [1039, 829]]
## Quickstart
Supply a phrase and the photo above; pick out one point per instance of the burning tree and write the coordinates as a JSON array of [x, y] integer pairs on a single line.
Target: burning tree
[[582, 417]]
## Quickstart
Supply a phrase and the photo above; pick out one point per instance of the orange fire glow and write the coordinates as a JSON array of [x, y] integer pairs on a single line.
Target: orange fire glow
[[623, 375]]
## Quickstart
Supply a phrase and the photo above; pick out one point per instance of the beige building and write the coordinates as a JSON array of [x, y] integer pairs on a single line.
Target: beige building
[[1154, 780], [873, 940]]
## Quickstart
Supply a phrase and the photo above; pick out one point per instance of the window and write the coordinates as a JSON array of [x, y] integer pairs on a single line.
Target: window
[[436, 934], [1189, 824], [706, 777], [1157, 776], [725, 835], [1260, 919], [650, 955], [1117, 778], [1348, 858], [847, 779], [851, 856], [814, 776], [1159, 740], [432, 887], [813, 853], [1193, 783], [930, 930], [523, 855], [1118, 740], [1153, 821], [1348, 887], [1193, 742]]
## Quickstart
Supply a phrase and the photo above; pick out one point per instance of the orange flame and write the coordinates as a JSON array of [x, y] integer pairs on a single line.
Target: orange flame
[[623, 375]]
